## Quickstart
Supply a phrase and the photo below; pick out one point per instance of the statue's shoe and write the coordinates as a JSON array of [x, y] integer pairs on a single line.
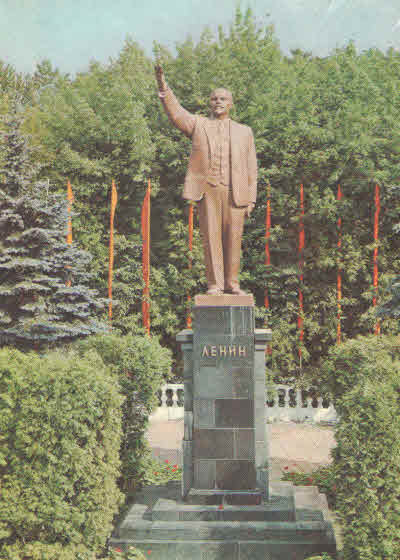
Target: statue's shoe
[[236, 292], [214, 292]]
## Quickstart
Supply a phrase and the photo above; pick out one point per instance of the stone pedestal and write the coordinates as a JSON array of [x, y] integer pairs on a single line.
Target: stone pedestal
[[225, 507], [225, 449]]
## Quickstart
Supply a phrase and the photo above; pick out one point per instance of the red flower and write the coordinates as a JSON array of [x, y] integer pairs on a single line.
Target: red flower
[[309, 479], [220, 506], [286, 468], [174, 470], [149, 552], [156, 473], [175, 466], [166, 461], [118, 550]]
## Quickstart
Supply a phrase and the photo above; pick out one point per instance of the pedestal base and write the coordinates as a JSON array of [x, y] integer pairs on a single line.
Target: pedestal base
[[293, 524]]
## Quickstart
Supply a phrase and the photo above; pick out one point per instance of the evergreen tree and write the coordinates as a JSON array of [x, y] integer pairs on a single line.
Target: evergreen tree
[[44, 298]]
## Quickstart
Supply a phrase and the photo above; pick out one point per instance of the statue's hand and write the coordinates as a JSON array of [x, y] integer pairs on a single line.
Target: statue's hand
[[249, 209], [162, 85]]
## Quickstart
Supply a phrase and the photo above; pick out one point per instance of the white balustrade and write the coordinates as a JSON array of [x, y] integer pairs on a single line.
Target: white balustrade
[[284, 404]]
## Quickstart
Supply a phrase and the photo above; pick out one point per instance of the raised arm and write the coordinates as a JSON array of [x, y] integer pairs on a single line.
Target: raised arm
[[179, 117]]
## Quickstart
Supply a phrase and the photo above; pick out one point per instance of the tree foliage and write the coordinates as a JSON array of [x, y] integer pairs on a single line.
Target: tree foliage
[[44, 283], [317, 121], [60, 420]]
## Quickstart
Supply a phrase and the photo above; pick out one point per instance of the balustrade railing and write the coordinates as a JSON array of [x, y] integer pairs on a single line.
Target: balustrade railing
[[284, 404]]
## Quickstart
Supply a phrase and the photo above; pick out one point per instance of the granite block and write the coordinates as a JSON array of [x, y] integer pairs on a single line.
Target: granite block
[[244, 444], [242, 381], [203, 413], [235, 475], [212, 382], [212, 444], [235, 413], [224, 320], [204, 474]]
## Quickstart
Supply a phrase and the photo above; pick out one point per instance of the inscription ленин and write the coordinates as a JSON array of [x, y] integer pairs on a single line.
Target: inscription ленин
[[224, 351]]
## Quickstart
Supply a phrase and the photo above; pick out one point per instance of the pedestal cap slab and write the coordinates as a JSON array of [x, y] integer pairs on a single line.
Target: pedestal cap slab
[[224, 300]]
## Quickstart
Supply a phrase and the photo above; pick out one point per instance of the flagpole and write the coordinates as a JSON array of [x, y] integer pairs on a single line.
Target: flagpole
[[300, 320], [377, 329], [70, 197], [114, 199], [146, 258], [339, 273], [267, 251]]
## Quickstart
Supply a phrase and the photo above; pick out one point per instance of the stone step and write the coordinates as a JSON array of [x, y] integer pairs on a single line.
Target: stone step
[[309, 504], [277, 510], [219, 550], [162, 525], [283, 531]]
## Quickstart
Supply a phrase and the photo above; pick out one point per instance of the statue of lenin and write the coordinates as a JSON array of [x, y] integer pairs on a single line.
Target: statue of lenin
[[222, 176]]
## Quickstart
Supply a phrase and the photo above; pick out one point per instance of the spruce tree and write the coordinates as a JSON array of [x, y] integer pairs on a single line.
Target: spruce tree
[[44, 295]]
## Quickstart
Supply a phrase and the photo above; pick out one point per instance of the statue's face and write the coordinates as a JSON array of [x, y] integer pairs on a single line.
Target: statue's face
[[221, 103]]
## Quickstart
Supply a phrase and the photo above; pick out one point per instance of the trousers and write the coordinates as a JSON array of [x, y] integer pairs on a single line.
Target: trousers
[[221, 229]]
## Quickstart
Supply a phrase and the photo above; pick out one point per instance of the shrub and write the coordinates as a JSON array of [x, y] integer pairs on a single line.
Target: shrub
[[323, 477], [160, 472], [131, 554], [363, 358], [367, 462], [60, 432], [40, 551], [141, 365]]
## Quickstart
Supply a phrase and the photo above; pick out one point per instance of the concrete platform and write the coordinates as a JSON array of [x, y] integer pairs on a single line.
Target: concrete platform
[[293, 524]]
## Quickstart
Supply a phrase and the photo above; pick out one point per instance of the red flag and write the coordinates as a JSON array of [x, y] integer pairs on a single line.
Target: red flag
[[339, 274], [70, 197], [376, 239], [267, 236], [267, 251], [301, 266], [146, 258], [189, 298], [114, 199]]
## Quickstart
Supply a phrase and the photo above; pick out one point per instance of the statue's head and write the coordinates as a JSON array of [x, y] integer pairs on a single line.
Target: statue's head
[[221, 102]]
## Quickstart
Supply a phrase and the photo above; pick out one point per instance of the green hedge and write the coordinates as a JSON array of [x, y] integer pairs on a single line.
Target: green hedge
[[141, 365], [60, 433], [367, 459], [365, 357], [365, 383], [41, 551]]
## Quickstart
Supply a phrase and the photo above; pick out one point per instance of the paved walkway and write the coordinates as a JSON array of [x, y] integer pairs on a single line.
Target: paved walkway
[[301, 447]]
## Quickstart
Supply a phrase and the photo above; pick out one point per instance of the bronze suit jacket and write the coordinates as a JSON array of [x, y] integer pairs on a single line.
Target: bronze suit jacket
[[200, 130]]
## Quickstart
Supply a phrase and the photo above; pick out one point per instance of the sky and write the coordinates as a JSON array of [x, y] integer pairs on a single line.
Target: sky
[[71, 33]]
